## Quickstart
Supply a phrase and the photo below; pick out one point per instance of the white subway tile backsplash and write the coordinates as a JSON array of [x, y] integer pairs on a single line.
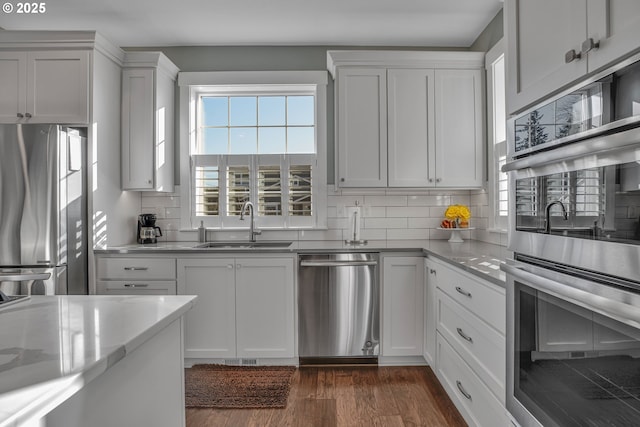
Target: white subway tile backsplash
[[385, 200], [386, 214], [385, 222]]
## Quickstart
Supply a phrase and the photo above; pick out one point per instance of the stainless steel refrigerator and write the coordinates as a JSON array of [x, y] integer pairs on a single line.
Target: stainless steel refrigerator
[[43, 233]]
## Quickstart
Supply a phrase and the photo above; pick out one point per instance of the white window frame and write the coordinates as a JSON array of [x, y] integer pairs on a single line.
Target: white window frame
[[192, 85], [496, 222]]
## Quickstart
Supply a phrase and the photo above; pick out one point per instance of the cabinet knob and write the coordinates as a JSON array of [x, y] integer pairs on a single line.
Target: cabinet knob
[[430, 179], [27, 115], [230, 266], [438, 179], [589, 44], [239, 266], [432, 271], [571, 56], [20, 115], [341, 179]]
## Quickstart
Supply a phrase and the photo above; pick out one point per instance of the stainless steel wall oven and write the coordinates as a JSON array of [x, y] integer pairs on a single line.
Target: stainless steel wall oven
[[573, 287]]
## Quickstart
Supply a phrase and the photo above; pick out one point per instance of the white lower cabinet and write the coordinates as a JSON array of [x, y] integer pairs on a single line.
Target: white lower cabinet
[[135, 275], [245, 307], [474, 400], [402, 306], [468, 333]]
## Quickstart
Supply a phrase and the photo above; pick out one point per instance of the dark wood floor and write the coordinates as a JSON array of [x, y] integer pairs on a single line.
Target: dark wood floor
[[359, 396]]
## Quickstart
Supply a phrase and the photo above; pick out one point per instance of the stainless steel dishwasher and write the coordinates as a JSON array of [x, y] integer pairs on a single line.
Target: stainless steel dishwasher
[[338, 308]]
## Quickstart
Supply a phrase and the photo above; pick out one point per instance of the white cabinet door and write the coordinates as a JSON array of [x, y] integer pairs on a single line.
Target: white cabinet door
[[411, 132], [402, 306], [45, 87], [58, 87], [430, 312], [210, 327], [265, 307], [459, 129], [137, 129], [361, 127], [615, 24], [13, 85], [539, 34]]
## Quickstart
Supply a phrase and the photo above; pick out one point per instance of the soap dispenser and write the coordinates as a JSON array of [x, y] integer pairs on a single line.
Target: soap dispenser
[[202, 233]]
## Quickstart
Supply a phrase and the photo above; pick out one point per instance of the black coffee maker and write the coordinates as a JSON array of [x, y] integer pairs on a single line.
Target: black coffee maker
[[147, 230]]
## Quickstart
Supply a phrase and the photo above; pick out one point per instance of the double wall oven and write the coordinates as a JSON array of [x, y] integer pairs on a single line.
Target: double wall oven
[[573, 286]]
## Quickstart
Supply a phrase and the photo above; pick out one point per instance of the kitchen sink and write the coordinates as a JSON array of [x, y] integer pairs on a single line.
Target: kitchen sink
[[244, 245]]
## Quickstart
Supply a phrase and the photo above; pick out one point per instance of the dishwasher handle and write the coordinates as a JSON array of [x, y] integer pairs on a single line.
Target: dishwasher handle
[[336, 263]]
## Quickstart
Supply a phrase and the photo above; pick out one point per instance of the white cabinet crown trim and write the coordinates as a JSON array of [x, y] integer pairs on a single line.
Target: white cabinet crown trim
[[402, 59]]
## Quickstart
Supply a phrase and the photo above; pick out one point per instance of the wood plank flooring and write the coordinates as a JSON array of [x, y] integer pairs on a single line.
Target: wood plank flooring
[[348, 396]]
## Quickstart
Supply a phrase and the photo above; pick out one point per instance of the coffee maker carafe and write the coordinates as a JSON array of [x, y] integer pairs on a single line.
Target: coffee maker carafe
[[147, 230]]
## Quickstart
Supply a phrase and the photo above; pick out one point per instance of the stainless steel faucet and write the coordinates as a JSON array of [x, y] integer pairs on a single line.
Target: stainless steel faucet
[[252, 227], [547, 219]]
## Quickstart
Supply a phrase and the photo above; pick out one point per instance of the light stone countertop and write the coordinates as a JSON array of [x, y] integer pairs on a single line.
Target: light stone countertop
[[479, 258], [52, 346]]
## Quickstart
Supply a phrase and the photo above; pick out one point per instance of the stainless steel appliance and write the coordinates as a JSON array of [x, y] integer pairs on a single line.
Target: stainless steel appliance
[[43, 239], [573, 287], [338, 308], [148, 232]]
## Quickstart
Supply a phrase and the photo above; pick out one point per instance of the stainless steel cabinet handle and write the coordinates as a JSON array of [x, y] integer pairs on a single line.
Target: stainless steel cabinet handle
[[20, 115], [336, 263], [432, 271], [12, 277], [589, 45], [28, 115], [571, 56], [229, 266], [463, 335], [136, 285], [462, 390], [463, 292], [136, 268]]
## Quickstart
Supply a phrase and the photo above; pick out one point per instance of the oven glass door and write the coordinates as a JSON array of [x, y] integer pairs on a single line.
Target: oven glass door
[[573, 366]]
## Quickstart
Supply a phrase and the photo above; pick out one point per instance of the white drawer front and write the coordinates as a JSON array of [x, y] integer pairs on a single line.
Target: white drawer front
[[136, 268], [136, 287], [482, 347], [476, 403], [486, 302]]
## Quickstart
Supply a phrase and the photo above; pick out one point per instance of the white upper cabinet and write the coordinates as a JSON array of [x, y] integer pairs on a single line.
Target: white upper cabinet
[[552, 44], [459, 129], [411, 127], [148, 93], [408, 119], [361, 124], [45, 86]]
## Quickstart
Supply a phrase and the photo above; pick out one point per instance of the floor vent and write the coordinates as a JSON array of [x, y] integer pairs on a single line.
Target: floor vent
[[232, 362], [249, 362]]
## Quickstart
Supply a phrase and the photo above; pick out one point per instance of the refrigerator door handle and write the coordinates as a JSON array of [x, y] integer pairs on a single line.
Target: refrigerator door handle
[[15, 277]]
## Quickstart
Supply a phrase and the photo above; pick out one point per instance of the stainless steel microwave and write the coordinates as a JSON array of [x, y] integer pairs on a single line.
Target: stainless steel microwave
[[607, 102]]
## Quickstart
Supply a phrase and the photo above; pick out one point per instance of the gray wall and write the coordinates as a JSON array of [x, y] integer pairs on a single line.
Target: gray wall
[[490, 35]]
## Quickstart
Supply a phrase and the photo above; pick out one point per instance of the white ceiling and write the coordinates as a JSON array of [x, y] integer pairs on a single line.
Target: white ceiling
[[449, 23]]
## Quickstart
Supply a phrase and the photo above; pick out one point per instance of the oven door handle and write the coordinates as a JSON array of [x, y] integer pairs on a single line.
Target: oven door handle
[[618, 309]]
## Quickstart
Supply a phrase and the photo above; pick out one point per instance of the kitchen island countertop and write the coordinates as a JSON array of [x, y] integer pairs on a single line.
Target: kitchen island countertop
[[53, 346]]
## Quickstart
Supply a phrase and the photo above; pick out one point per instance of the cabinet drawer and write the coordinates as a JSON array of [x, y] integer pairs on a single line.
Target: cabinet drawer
[[476, 403], [136, 287], [136, 268], [482, 347], [486, 302]]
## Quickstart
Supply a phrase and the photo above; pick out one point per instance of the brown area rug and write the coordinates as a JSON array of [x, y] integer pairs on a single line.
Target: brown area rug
[[220, 386]]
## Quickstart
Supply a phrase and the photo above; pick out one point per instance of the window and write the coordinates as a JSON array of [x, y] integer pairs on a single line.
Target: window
[[253, 136], [498, 182]]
